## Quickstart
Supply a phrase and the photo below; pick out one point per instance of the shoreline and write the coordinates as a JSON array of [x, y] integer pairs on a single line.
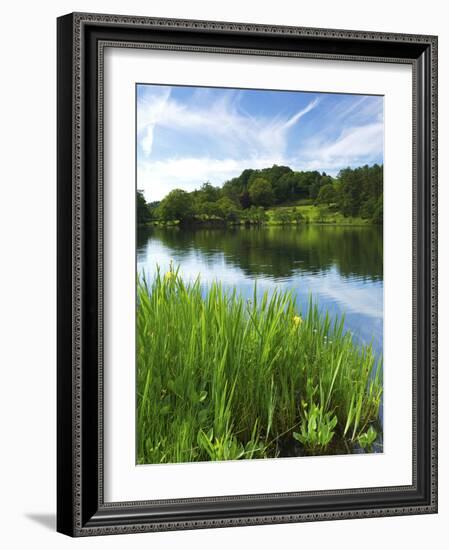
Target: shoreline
[[223, 224]]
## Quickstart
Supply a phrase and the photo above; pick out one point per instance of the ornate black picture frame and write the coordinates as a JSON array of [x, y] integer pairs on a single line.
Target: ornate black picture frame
[[81, 510]]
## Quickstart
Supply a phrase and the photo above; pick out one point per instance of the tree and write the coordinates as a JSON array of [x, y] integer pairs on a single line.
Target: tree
[[227, 209], [355, 192], [177, 205], [256, 215], [209, 192], [327, 194], [378, 215], [359, 191], [321, 214], [236, 186], [286, 187], [349, 192], [209, 209], [245, 200], [274, 173], [287, 216], [314, 183], [143, 210], [261, 192]]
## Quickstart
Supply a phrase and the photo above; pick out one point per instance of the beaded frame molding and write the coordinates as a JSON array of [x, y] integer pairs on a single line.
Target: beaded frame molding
[[82, 37]]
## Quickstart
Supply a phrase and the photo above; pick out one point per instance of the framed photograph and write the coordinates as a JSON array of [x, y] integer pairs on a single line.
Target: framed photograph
[[247, 280]]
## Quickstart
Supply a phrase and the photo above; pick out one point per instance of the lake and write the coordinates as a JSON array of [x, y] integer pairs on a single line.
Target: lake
[[341, 267]]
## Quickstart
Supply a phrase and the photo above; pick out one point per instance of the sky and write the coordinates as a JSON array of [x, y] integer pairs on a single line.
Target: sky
[[188, 135]]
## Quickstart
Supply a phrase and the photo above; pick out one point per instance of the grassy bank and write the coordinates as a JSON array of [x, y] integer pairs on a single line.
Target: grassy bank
[[291, 214], [310, 213], [225, 378]]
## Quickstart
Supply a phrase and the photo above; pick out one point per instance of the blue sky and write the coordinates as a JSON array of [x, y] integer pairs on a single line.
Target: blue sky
[[189, 135]]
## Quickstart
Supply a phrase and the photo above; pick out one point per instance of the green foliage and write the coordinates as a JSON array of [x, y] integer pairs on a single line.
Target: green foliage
[[286, 187], [378, 213], [143, 210], [177, 205], [209, 209], [355, 193], [205, 198], [359, 191], [261, 192], [322, 214], [317, 428], [245, 199], [235, 187], [228, 209], [313, 181], [284, 216], [210, 193], [220, 377], [255, 215], [222, 209], [367, 439], [327, 194], [228, 447]]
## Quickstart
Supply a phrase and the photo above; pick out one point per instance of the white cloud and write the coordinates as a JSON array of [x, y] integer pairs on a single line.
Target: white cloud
[[357, 142], [150, 108]]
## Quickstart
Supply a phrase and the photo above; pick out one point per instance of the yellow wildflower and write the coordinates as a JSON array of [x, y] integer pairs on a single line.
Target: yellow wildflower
[[168, 275], [297, 320]]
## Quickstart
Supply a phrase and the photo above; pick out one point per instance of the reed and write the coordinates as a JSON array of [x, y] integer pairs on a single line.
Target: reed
[[220, 377]]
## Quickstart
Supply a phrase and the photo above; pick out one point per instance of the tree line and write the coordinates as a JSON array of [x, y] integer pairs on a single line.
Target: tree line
[[355, 192]]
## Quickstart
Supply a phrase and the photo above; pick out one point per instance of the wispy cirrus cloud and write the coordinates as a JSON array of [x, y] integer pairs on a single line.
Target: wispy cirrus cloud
[[352, 110], [353, 147], [352, 135], [219, 119]]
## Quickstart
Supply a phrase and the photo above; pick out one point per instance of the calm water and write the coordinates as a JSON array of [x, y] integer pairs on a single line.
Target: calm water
[[340, 266]]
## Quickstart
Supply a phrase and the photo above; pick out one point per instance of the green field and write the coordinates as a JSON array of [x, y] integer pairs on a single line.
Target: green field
[[309, 213], [220, 377]]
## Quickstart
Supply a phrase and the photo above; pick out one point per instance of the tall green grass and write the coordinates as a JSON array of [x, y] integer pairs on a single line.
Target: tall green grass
[[220, 377]]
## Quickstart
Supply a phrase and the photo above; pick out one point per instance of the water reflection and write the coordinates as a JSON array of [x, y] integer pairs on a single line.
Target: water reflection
[[340, 266]]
